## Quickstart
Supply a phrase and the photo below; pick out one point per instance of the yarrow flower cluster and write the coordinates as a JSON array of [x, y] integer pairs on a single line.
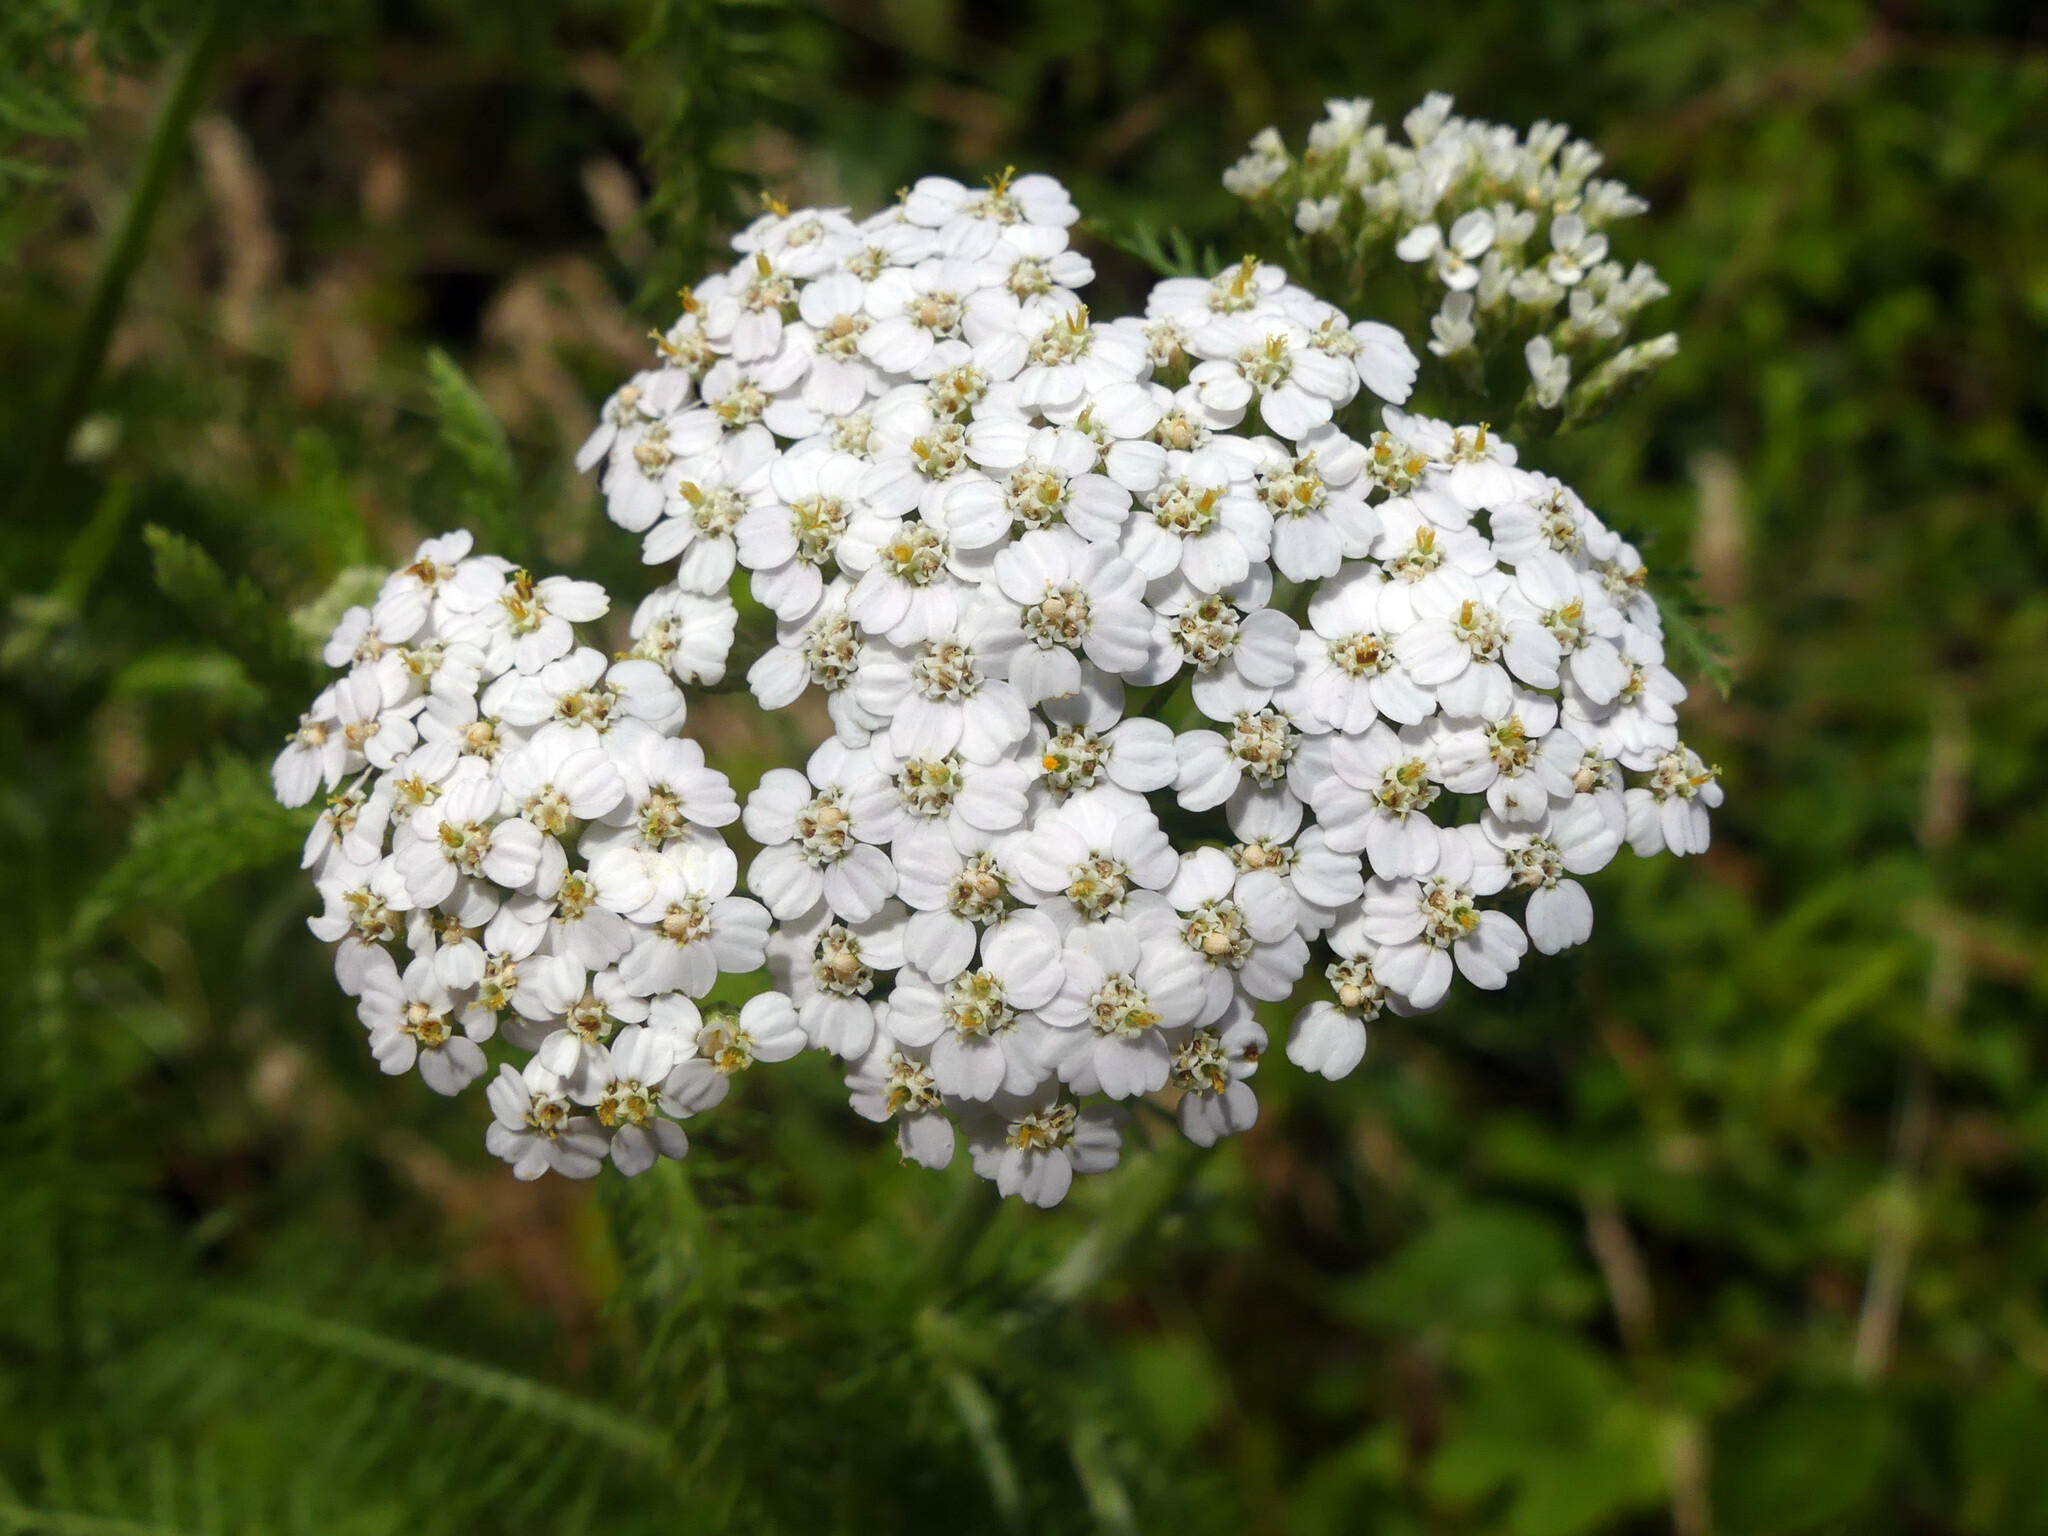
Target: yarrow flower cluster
[[1418, 689], [1510, 226], [518, 847]]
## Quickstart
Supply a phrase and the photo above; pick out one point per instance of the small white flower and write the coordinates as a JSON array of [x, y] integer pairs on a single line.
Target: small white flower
[[315, 754], [1265, 163], [443, 582], [647, 396], [1577, 840], [1137, 755], [1550, 372], [751, 396], [812, 850], [1128, 983], [1033, 1148], [695, 927], [916, 308], [1067, 358], [1041, 267], [1320, 878], [1349, 675], [1210, 1068], [1520, 762], [1037, 478], [460, 836], [1575, 250], [1580, 617], [704, 510], [1374, 791], [895, 1082], [792, 541], [359, 639], [1272, 359], [1451, 330], [1240, 655], [716, 1046], [577, 1011], [1240, 927], [1455, 256], [1464, 645], [950, 692], [623, 1084], [1315, 498], [1329, 1038], [361, 904], [689, 633], [1093, 858], [1245, 769], [333, 829], [1423, 926], [373, 714], [745, 308], [902, 800], [1639, 725], [536, 1129], [666, 791], [582, 690], [825, 650], [829, 966], [1314, 215], [528, 622], [969, 221], [1074, 602], [953, 894], [647, 454], [559, 779], [412, 1020], [978, 1024], [1195, 302], [1671, 810], [906, 591]]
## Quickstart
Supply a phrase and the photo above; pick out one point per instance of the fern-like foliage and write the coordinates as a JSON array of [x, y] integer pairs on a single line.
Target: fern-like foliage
[[1167, 253], [488, 479], [711, 73], [220, 819]]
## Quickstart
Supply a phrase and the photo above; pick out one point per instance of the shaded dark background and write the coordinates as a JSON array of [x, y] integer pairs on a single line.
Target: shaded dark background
[[1732, 1222]]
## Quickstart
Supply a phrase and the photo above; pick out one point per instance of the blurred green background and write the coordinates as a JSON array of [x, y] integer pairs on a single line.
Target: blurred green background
[[1732, 1222]]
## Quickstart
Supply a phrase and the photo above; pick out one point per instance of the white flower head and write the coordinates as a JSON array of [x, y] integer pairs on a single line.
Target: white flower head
[[1161, 680]]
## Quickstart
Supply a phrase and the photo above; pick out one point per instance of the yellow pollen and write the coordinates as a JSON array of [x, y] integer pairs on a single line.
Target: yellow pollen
[[1050, 762]]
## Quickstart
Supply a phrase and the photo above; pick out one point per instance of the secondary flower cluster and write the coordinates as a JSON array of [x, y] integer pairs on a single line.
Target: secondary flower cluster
[[1511, 226], [517, 845], [1008, 542]]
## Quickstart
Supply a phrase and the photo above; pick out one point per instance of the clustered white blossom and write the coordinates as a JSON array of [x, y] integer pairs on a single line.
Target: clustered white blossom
[[1511, 226], [1008, 541], [517, 846]]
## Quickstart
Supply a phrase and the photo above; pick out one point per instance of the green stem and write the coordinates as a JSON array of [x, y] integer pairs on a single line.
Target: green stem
[[975, 1205], [64, 1266], [122, 255], [1164, 695]]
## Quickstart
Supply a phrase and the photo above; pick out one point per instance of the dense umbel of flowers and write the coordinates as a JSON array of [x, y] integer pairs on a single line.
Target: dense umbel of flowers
[[1511, 226], [517, 846], [1004, 539]]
